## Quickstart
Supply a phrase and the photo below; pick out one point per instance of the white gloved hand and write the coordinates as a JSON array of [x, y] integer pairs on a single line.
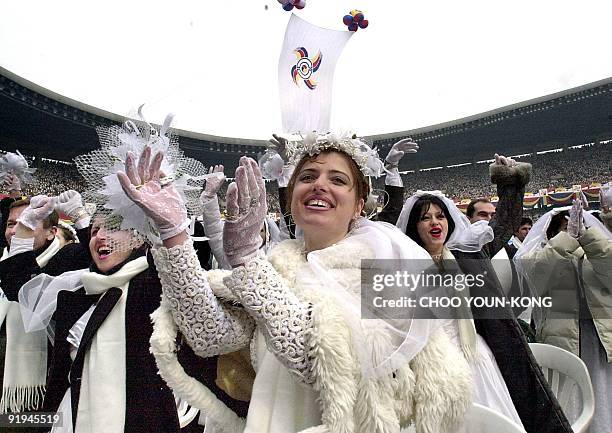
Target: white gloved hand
[[40, 208], [605, 197], [575, 223], [280, 145], [162, 204], [12, 182], [399, 149], [246, 210], [213, 183], [70, 203], [502, 160]]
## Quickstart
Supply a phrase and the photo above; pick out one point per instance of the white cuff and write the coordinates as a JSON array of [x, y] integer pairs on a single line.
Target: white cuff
[[393, 178], [20, 245], [285, 176], [82, 223], [167, 233]]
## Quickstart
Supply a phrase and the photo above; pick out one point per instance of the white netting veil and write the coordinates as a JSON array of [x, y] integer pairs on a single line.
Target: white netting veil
[[116, 212]]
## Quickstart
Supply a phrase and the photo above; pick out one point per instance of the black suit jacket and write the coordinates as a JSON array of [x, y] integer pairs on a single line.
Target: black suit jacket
[[17, 270]]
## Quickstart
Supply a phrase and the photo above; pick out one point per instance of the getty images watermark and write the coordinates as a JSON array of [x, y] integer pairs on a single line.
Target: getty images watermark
[[405, 289]]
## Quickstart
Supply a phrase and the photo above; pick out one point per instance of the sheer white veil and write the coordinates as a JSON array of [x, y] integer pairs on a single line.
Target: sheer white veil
[[407, 337], [466, 237], [38, 299]]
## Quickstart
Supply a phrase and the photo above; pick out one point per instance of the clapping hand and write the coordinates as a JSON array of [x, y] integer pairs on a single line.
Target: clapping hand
[[148, 187], [246, 211]]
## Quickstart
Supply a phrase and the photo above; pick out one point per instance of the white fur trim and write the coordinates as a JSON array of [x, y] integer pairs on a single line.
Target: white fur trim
[[216, 281], [163, 347], [443, 387], [334, 367], [504, 175]]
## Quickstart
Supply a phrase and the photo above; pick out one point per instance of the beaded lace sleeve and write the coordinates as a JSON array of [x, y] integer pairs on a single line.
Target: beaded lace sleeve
[[210, 326], [286, 322]]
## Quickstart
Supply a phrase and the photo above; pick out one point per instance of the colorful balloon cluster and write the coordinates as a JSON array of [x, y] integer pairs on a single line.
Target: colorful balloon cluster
[[290, 4], [355, 20]]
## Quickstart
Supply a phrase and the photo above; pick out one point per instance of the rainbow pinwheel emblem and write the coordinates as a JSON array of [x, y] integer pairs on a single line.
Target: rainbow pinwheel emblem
[[305, 67]]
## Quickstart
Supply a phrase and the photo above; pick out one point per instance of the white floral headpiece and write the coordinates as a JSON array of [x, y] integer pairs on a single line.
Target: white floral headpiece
[[100, 167], [312, 144]]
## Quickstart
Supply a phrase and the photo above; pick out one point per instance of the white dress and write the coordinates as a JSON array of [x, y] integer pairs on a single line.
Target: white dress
[[489, 386]]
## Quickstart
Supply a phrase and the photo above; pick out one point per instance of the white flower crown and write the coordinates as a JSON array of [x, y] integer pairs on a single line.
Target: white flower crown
[[99, 169], [312, 144]]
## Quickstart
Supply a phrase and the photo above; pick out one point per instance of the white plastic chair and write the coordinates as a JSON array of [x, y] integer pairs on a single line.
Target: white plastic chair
[[186, 413], [556, 363], [481, 419]]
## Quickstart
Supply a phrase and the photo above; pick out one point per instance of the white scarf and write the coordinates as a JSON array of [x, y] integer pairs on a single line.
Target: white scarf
[[25, 364], [516, 242], [467, 329], [102, 397]]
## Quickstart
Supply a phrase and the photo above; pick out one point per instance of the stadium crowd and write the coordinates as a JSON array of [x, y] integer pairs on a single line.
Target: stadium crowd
[[112, 319], [582, 166]]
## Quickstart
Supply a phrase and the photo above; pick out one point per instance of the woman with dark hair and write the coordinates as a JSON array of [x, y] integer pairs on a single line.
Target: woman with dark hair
[[558, 223], [421, 212], [505, 374], [319, 365]]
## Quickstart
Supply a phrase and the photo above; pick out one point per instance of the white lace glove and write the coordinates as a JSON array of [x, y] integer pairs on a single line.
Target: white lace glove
[[40, 208], [70, 203], [12, 182], [162, 204], [280, 145], [502, 160], [399, 149], [575, 223], [246, 211], [213, 183], [605, 197]]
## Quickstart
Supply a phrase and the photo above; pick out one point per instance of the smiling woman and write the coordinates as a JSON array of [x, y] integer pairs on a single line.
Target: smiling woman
[[319, 364], [327, 194]]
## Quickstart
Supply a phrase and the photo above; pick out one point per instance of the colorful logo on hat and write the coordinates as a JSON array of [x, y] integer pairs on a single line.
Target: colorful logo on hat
[[305, 67]]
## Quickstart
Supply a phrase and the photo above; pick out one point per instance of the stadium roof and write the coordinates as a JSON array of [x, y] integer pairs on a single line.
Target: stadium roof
[[215, 64], [39, 122]]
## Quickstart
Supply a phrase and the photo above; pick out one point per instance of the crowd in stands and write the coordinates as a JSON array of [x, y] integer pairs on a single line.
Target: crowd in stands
[[53, 178], [114, 296], [591, 163], [550, 170]]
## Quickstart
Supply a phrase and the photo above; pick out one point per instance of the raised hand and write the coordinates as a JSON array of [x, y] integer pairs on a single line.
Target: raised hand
[[70, 203], [605, 195], [399, 149], [575, 223], [246, 211], [12, 182], [40, 208], [503, 160], [213, 183], [148, 187], [280, 145]]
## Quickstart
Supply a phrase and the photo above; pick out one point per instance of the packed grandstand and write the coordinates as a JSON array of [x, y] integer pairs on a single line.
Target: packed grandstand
[[555, 176]]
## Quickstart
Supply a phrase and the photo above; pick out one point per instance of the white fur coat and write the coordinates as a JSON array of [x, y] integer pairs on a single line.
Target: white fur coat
[[433, 391]]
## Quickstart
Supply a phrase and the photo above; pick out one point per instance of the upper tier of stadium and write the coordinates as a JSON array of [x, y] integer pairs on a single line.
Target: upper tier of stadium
[[40, 122]]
